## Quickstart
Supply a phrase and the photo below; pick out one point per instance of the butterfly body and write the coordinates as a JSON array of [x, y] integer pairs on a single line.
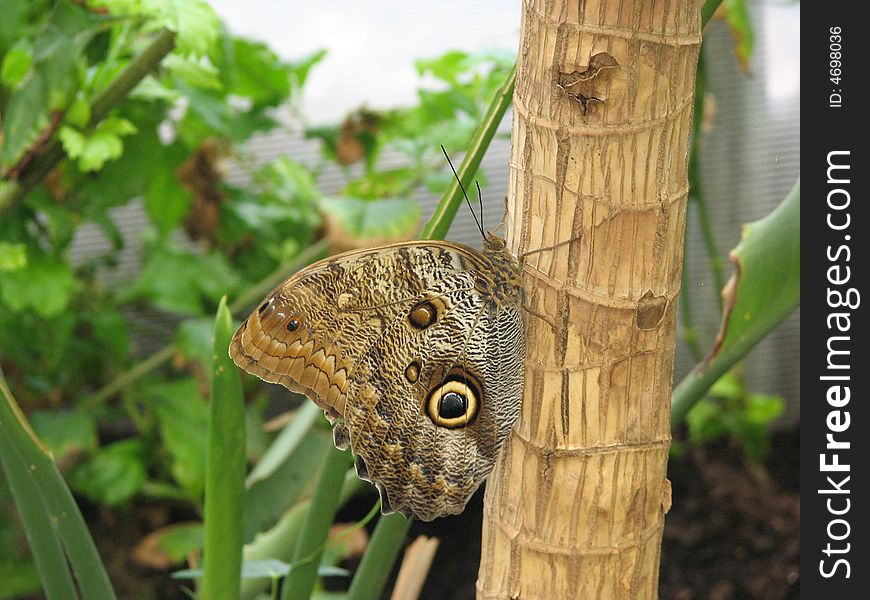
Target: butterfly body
[[414, 351]]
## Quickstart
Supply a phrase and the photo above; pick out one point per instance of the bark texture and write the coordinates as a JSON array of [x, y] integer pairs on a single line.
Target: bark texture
[[602, 118]]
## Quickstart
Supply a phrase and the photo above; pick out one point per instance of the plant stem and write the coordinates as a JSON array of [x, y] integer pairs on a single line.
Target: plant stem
[[440, 222], [377, 562], [309, 548], [111, 96], [690, 332]]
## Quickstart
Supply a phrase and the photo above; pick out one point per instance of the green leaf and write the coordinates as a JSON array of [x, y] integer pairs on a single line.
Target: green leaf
[[740, 24], [66, 432], [58, 218], [391, 218], [446, 67], [257, 73], [12, 256], [94, 149], [193, 339], [26, 115], [198, 73], [300, 68], [79, 113], [179, 540], [57, 533], [55, 61], [114, 474], [181, 282], [19, 579], [182, 416], [195, 23], [225, 468], [377, 562], [167, 202], [270, 496], [764, 290], [287, 181], [318, 518], [16, 64], [45, 285]]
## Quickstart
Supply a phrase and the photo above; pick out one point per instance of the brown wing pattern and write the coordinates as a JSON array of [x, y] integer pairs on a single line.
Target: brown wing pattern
[[393, 344]]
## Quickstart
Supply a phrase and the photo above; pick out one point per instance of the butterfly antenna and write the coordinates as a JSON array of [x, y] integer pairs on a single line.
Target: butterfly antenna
[[480, 201], [462, 187]]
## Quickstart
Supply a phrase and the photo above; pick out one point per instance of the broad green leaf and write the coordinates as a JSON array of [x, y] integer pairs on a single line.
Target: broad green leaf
[[16, 64], [19, 579], [175, 542], [446, 67], [257, 73], [25, 116], [301, 67], [198, 73], [66, 432], [182, 415], [287, 181], [388, 219], [15, 19], [764, 290], [12, 256], [45, 285], [181, 282], [114, 474], [166, 201], [193, 339], [79, 113], [381, 184]]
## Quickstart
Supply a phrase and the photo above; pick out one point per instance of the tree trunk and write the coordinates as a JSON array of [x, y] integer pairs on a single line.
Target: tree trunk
[[602, 117]]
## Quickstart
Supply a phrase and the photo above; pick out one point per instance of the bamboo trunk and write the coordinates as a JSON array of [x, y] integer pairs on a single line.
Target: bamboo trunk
[[602, 117]]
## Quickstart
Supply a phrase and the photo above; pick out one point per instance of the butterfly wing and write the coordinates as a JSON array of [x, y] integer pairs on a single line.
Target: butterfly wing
[[407, 351]]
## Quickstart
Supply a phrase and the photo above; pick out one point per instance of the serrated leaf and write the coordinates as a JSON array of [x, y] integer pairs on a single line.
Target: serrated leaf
[[195, 24], [94, 149]]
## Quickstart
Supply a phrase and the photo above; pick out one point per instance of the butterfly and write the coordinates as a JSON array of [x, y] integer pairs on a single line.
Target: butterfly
[[415, 352]]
